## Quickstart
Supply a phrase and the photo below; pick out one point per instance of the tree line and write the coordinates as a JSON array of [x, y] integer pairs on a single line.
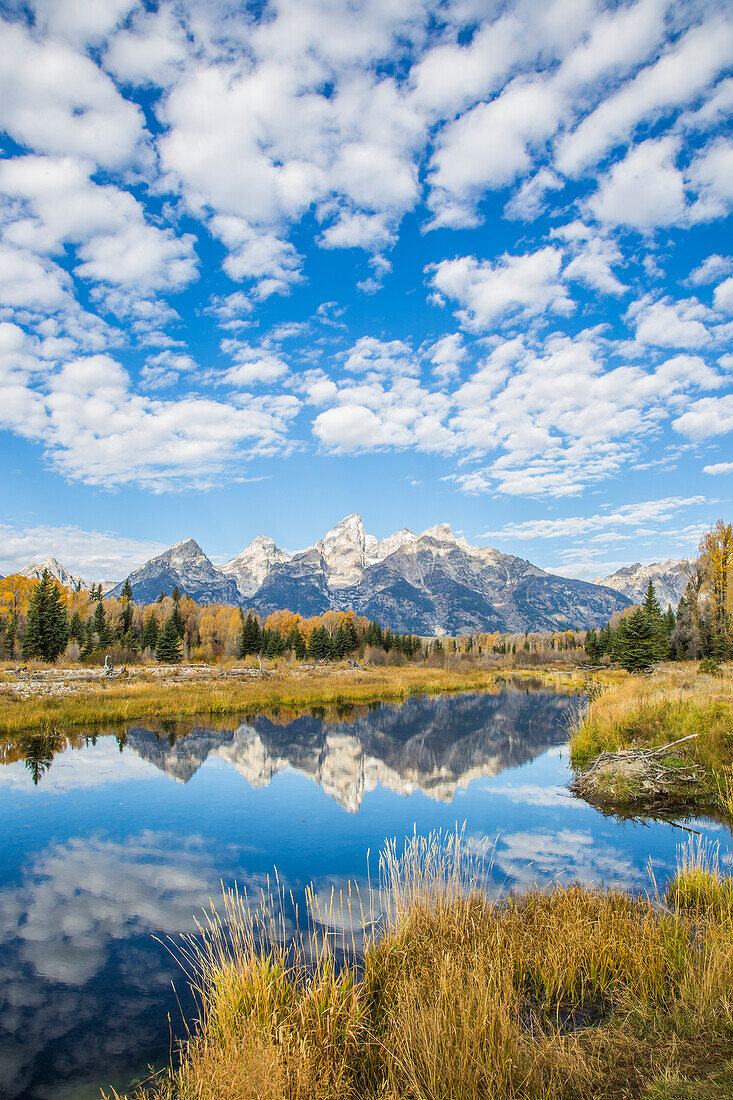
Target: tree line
[[43, 620]]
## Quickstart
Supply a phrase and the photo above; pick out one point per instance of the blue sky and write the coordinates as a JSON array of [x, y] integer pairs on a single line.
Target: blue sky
[[263, 265]]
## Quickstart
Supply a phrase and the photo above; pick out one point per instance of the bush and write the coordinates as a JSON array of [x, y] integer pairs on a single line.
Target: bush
[[710, 667]]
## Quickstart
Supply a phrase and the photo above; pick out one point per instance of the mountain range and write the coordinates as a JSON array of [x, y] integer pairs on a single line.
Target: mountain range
[[430, 584]]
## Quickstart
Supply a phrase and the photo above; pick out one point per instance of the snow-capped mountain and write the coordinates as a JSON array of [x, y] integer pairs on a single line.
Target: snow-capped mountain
[[668, 577], [186, 567], [431, 583], [252, 565], [69, 580]]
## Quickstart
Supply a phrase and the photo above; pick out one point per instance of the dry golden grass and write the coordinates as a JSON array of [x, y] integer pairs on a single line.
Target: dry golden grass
[[142, 695], [568, 993], [657, 709]]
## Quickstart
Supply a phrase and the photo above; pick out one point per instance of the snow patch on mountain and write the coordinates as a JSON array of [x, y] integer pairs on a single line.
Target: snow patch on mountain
[[34, 570], [668, 577], [252, 565]]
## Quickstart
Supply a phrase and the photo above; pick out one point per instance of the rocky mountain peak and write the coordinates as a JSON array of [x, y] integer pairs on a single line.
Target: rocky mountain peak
[[34, 570], [250, 567], [347, 550], [668, 577]]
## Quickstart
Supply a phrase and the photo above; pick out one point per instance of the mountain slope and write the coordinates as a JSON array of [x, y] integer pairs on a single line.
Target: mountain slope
[[668, 577], [252, 565], [184, 566], [69, 580]]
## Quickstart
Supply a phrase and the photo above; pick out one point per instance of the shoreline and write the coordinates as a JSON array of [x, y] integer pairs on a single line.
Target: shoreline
[[657, 744], [146, 692]]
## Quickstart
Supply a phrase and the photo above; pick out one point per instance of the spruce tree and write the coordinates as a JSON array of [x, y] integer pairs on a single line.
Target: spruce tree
[[178, 620], [127, 601], [76, 628], [251, 640], [296, 643], [636, 645], [103, 632], [169, 649], [275, 644], [150, 633], [319, 644], [47, 630]]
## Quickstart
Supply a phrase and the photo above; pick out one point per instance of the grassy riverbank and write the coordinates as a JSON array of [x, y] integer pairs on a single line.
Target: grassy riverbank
[[145, 694], [568, 993], [637, 715]]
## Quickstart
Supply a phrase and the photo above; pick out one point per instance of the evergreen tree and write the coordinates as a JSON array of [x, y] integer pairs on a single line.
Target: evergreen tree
[[296, 643], [275, 644], [47, 630], [591, 645], [636, 645], [319, 644], [341, 642], [251, 640], [178, 620], [373, 634], [99, 619], [176, 593], [76, 628], [89, 638], [387, 640], [129, 641], [169, 649], [127, 601], [150, 633]]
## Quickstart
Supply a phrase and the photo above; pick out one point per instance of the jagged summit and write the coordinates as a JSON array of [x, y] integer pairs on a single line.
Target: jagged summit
[[431, 583], [34, 571], [250, 567], [184, 566], [668, 577]]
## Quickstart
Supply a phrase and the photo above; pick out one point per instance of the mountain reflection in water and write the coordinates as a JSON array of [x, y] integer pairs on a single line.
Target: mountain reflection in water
[[434, 744]]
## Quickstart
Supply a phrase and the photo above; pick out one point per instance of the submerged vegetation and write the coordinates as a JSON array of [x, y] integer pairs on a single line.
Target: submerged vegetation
[[573, 992]]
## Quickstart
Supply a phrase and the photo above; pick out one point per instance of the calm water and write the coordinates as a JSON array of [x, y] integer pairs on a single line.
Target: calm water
[[127, 836]]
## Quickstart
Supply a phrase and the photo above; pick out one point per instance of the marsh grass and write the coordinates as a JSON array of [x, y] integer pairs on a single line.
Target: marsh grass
[[571, 992], [655, 710], [143, 695]]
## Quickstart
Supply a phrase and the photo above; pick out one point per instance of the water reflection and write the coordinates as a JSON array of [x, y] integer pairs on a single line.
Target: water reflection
[[431, 744], [109, 840]]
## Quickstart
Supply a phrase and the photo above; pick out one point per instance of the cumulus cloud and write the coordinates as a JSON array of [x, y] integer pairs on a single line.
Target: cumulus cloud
[[643, 190], [96, 555], [515, 287]]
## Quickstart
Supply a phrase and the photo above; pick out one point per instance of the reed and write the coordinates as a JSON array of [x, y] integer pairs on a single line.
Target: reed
[[572, 992]]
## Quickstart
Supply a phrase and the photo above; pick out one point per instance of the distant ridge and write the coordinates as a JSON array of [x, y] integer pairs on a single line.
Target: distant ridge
[[431, 583], [668, 577]]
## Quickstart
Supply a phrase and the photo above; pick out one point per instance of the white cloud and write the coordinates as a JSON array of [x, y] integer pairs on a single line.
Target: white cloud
[[675, 79], [253, 365], [56, 100], [151, 51], [711, 175], [706, 417], [723, 296], [718, 468], [644, 190], [380, 356], [447, 354], [96, 555], [594, 257], [627, 515], [514, 287], [670, 324], [710, 269]]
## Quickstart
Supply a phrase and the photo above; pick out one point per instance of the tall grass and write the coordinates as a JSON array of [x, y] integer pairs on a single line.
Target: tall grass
[[652, 711], [570, 992]]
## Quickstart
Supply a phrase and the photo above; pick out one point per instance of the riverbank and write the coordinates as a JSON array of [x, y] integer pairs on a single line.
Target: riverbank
[[45, 700], [655, 742], [573, 992]]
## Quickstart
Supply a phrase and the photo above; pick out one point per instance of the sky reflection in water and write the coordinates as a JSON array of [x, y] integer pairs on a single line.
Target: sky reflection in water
[[113, 847]]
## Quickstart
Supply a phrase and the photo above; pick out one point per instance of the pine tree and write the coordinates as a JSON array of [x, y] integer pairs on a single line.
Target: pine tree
[[251, 640], [169, 649], [591, 645], [341, 642], [47, 630], [99, 619], [127, 601], [319, 644], [275, 644], [296, 642], [176, 593], [178, 620], [76, 628], [636, 645], [150, 633]]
